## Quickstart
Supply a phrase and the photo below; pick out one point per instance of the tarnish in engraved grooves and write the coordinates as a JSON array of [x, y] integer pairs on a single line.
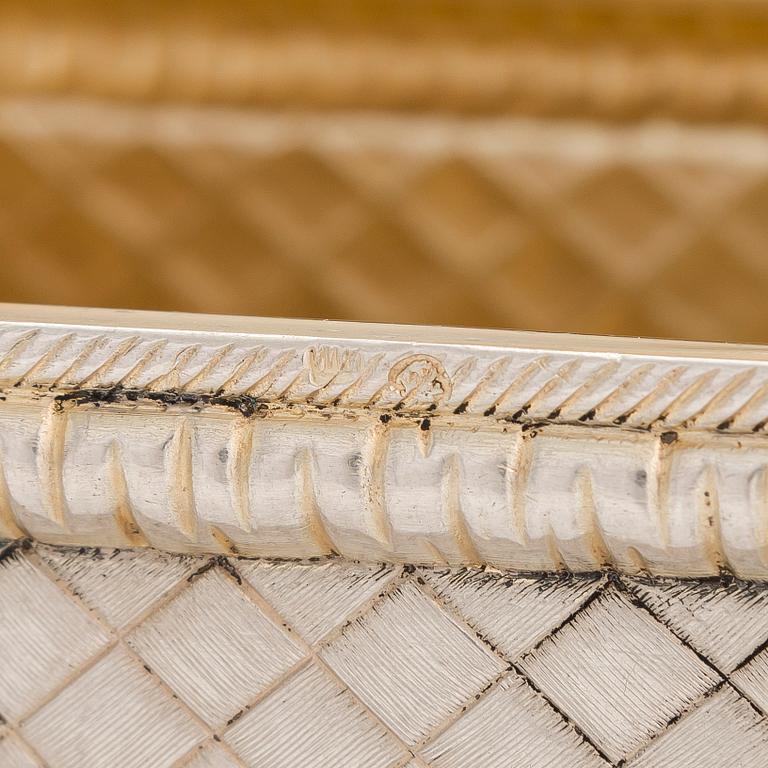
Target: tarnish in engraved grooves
[[512, 451]]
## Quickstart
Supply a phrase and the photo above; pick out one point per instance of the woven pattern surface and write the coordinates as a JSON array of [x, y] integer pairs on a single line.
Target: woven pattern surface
[[652, 238], [125, 658], [512, 225]]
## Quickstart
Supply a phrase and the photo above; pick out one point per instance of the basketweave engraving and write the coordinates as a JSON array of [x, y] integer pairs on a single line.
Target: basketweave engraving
[[215, 660]]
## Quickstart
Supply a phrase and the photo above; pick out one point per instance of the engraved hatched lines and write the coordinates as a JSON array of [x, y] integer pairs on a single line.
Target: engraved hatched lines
[[633, 591], [597, 594], [510, 660], [313, 654], [725, 678], [211, 733], [551, 387], [28, 553], [718, 490]]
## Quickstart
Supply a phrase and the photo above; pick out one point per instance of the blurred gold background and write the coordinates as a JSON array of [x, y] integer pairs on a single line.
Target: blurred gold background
[[593, 166]]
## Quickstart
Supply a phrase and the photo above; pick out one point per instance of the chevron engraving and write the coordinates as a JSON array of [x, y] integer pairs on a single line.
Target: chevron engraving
[[524, 458]]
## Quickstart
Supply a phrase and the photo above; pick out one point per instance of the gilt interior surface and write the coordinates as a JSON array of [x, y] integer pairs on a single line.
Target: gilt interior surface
[[574, 166], [588, 167]]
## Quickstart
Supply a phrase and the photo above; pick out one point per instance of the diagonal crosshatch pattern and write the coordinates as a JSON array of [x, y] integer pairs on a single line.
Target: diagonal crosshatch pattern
[[548, 225], [234, 662]]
